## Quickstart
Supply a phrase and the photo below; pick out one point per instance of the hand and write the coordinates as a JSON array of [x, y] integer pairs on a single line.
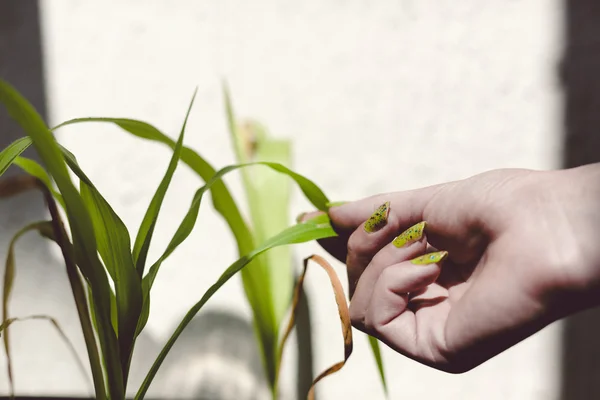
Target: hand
[[519, 251]]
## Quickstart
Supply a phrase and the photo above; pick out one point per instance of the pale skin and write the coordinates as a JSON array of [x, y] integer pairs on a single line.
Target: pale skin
[[523, 251]]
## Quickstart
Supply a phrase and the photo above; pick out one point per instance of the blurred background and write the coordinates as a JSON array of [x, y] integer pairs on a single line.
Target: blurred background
[[375, 97]]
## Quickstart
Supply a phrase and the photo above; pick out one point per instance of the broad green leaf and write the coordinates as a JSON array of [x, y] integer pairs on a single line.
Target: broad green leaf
[[54, 323], [8, 155], [268, 280], [314, 229], [9, 278], [144, 236], [374, 343], [114, 246], [35, 169], [80, 223]]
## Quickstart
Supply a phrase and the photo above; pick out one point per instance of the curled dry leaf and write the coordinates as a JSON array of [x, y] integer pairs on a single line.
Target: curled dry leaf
[[343, 311]]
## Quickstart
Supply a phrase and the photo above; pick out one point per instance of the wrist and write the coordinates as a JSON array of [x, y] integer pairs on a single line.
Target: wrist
[[576, 195]]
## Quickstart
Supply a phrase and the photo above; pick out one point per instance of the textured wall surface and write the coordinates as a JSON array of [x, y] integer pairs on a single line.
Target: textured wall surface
[[376, 96]]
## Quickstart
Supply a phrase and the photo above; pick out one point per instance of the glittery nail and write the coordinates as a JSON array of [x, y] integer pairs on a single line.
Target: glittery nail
[[430, 258], [378, 219], [410, 235]]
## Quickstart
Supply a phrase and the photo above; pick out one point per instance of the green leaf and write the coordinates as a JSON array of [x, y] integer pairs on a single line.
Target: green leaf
[[35, 169], [80, 223], [314, 229], [144, 236], [268, 280], [114, 246], [374, 343], [8, 155]]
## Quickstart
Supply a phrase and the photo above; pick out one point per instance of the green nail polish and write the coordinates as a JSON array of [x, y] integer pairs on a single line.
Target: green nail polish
[[378, 219], [335, 204], [430, 258], [410, 235]]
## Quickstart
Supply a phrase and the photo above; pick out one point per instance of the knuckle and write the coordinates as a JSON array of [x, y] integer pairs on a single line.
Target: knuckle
[[355, 244]]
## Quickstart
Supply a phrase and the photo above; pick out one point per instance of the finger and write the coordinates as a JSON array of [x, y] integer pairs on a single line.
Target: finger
[[388, 317], [373, 234], [409, 207], [409, 244]]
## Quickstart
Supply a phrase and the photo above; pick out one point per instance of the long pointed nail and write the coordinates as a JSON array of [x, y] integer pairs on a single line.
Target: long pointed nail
[[410, 235], [430, 258], [378, 219]]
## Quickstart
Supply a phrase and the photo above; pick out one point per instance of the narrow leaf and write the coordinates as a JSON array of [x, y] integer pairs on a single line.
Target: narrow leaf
[[374, 343], [144, 236], [314, 229], [8, 155]]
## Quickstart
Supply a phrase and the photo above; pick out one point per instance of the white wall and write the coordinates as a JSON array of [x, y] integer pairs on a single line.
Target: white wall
[[376, 96]]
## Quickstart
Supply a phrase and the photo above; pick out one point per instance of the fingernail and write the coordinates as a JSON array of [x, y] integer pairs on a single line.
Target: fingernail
[[378, 219], [430, 258], [336, 204], [410, 235], [300, 216]]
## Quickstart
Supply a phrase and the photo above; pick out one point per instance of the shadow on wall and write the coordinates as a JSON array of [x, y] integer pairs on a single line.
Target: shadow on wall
[[580, 75], [215, 358]]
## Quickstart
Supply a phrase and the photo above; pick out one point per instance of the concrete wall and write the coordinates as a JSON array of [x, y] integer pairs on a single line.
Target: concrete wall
[[376, 96]]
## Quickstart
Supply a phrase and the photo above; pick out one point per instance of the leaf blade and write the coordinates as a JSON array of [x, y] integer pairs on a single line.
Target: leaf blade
[[12, 151], [144, 236], [375, 348]]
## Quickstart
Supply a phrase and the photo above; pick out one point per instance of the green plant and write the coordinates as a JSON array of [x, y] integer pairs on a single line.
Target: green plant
[[97, 247]]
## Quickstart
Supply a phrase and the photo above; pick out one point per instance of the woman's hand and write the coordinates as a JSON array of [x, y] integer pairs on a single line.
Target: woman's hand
[[508, 252]]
